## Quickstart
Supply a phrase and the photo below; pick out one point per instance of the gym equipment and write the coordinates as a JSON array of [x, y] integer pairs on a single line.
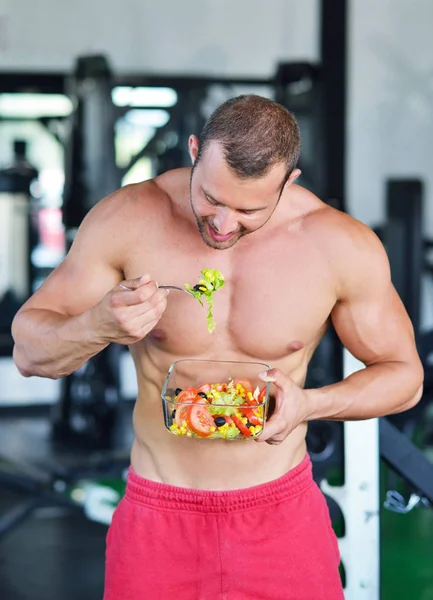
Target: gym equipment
[[16, 234], [406, 460], [403, 241], [17, 239], [90, 169], [86, 412], [85, 487]]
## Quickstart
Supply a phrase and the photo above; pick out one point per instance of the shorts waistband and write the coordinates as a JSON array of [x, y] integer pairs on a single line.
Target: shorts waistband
[[161, 495]]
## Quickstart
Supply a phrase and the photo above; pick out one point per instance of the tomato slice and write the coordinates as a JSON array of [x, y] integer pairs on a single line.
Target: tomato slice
[[186, 395], [204, 387], [181, 414], [245, 383], [242, 428], [200, 419]]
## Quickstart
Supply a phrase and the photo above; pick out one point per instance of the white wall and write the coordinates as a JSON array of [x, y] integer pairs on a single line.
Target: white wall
[[390, 129], [390, 99], [227, 37]]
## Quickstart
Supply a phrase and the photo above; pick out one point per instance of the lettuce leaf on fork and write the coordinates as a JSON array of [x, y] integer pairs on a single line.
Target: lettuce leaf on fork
[[212, 280]]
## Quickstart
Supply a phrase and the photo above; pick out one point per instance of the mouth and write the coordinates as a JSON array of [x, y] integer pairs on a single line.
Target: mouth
[[217, 237]]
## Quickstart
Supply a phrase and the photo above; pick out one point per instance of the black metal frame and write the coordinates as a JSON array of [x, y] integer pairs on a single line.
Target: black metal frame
[[403, 240], [32, 82], [406, 459], [334, 19]]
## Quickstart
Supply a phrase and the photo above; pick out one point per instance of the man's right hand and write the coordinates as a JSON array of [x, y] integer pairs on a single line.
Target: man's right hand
[[125, 316]]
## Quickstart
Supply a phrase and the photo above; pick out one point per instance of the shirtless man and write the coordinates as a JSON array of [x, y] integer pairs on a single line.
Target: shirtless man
[[237, 520]]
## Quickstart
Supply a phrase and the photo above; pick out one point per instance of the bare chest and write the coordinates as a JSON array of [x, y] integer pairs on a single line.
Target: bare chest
[[276, 292]]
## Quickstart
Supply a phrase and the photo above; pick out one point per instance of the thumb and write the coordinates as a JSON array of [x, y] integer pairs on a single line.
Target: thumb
[[133, 284], [272, 375]]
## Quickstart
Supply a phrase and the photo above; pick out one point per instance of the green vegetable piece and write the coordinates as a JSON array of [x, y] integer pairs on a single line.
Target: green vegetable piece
[[212, 281]]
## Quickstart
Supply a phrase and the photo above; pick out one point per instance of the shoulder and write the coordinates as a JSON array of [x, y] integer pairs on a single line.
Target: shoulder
[[353, 251], [120, 220], [138, 203]]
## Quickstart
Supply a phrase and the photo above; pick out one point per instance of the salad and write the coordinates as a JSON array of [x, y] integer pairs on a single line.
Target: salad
[[211, 281], [231, 410]]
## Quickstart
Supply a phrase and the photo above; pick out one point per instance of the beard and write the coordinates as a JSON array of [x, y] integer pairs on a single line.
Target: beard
[[203, 225]]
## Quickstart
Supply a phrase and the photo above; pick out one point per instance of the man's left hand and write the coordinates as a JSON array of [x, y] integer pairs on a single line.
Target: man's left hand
[[291, 407]]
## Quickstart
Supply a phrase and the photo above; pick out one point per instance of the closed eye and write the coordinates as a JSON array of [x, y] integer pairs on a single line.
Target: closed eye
[[249, 212], [213, 202]]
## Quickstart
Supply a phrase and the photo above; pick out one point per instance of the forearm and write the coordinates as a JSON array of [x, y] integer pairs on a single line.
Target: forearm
[[378, 390], [48, 344]]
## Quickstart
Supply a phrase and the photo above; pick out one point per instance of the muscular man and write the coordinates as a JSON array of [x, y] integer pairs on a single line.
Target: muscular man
[[237, 520]]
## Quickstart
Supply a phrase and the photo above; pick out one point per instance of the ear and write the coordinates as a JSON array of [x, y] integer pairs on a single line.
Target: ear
[[293, 177], [193, 144]]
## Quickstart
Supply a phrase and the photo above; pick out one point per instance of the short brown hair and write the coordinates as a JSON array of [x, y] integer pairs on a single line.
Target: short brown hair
[[256, 133]]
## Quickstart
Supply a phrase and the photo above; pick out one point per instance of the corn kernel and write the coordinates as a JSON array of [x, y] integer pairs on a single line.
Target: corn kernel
[[183, 430], [212, 428], [184, 424]]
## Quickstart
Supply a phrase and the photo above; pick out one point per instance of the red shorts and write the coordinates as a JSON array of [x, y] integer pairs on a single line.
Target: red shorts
[[270, 542]]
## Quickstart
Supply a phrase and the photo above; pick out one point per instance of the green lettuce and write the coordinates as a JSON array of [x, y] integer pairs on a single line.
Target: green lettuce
[[211, 281]]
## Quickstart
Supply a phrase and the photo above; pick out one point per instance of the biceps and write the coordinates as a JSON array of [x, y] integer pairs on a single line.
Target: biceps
[[376, 328]]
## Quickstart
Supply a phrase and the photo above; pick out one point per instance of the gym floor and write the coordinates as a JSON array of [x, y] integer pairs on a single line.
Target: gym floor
[[54, 554], [57, 555]]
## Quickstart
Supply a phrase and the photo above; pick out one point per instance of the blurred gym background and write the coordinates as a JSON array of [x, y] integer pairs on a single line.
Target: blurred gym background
[[96, 94]]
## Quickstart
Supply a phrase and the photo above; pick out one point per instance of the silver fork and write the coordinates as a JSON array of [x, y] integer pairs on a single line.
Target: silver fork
[[163, 287]]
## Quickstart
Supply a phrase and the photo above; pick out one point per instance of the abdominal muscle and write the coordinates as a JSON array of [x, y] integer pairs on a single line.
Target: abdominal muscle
[[202, 464]]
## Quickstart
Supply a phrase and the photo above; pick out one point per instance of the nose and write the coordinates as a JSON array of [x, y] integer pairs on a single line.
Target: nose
[[225, 222]]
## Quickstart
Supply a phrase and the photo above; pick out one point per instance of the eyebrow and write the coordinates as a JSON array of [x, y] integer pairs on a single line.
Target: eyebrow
[[222, 204]]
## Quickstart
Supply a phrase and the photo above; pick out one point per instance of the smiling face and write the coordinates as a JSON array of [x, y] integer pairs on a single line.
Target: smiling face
[[227, 207]]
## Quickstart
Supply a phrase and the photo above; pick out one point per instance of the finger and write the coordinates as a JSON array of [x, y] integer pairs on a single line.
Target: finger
[[133, 284], [274, 425], [271, 430], [276, 377], [142, 308], [139, 295], [142, 324]]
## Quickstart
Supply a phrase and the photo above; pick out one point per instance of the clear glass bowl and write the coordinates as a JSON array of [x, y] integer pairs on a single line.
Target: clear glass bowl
[[212, 399]]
